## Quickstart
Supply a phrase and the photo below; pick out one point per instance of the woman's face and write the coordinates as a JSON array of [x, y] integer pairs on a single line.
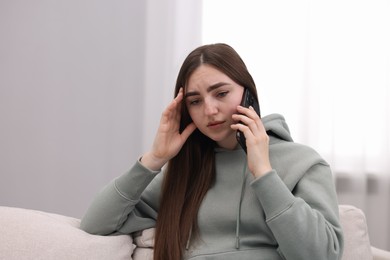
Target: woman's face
[[212, 98]]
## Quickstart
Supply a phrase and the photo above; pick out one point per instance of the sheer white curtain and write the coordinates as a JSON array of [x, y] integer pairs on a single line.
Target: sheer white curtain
[[173, 29], [324, 65]]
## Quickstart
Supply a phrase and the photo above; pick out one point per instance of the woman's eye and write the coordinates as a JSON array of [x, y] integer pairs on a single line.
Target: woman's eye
[[222, 94], [194, 102]]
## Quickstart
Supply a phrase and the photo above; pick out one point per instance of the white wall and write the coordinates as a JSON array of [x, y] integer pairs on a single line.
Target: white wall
[[74, 80]]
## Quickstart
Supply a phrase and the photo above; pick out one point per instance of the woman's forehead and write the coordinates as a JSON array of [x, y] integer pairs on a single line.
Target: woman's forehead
[[205, 77]]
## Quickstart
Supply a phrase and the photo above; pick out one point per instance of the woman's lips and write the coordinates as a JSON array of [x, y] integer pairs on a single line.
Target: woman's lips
[[215, 124]]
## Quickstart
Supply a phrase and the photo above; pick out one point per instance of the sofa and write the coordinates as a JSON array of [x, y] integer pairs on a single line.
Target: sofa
[[33, 234]]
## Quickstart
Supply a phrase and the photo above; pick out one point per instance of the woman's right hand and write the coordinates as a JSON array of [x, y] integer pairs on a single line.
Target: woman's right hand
[[168, 140]]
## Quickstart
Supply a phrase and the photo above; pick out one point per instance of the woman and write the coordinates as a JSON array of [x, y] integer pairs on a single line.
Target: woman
[[214, 200]]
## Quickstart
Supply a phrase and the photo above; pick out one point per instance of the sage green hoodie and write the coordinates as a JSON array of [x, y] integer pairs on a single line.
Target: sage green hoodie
[[290, 213]]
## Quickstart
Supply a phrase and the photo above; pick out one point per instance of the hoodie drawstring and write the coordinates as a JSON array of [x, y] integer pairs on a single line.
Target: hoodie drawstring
[[238, 219], [189, 239]]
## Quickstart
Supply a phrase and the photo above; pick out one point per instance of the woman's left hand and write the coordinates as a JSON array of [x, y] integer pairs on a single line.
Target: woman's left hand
[[257, 140]]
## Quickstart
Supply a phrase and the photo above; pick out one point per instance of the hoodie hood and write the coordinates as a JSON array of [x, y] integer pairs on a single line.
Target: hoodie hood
[[276, 128]]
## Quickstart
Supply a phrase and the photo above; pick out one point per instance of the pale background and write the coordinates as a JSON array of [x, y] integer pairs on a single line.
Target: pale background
[[82, 87], [83, 84]]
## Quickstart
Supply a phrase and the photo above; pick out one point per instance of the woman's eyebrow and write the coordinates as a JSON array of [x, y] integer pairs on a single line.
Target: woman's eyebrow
[[209, 89]]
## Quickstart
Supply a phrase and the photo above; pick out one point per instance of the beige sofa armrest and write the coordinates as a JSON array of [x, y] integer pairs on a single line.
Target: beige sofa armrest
[[356, 240], [32, 234], [379, 254]]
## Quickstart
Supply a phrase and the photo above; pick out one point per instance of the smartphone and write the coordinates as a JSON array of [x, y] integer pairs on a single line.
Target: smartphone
[[247, 100]]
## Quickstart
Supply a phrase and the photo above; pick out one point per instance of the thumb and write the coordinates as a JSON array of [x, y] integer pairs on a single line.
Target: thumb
[[188, 131]]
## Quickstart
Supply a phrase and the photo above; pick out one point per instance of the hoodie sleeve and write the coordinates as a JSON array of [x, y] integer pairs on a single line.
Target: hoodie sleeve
[[122, 206], [304, 221]]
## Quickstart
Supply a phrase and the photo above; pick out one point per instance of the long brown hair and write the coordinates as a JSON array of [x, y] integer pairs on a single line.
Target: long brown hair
[[191, 173]]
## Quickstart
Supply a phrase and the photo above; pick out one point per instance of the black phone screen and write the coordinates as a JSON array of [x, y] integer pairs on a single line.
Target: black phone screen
[[247, 100]]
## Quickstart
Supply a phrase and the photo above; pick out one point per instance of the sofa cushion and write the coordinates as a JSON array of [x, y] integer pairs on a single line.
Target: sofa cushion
[[31, 234], [356, 240], [144, 241]]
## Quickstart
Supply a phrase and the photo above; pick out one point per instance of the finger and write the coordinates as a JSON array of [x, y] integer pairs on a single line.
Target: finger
[[258, 121], [168, 112], [246, 121], [179, 96], [174, 106], [178, 103], [188, 131], [249, 112], [249, 127], [239, 126]]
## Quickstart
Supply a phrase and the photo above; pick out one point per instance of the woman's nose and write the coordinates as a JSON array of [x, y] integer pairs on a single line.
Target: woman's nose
[[210, 107]]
